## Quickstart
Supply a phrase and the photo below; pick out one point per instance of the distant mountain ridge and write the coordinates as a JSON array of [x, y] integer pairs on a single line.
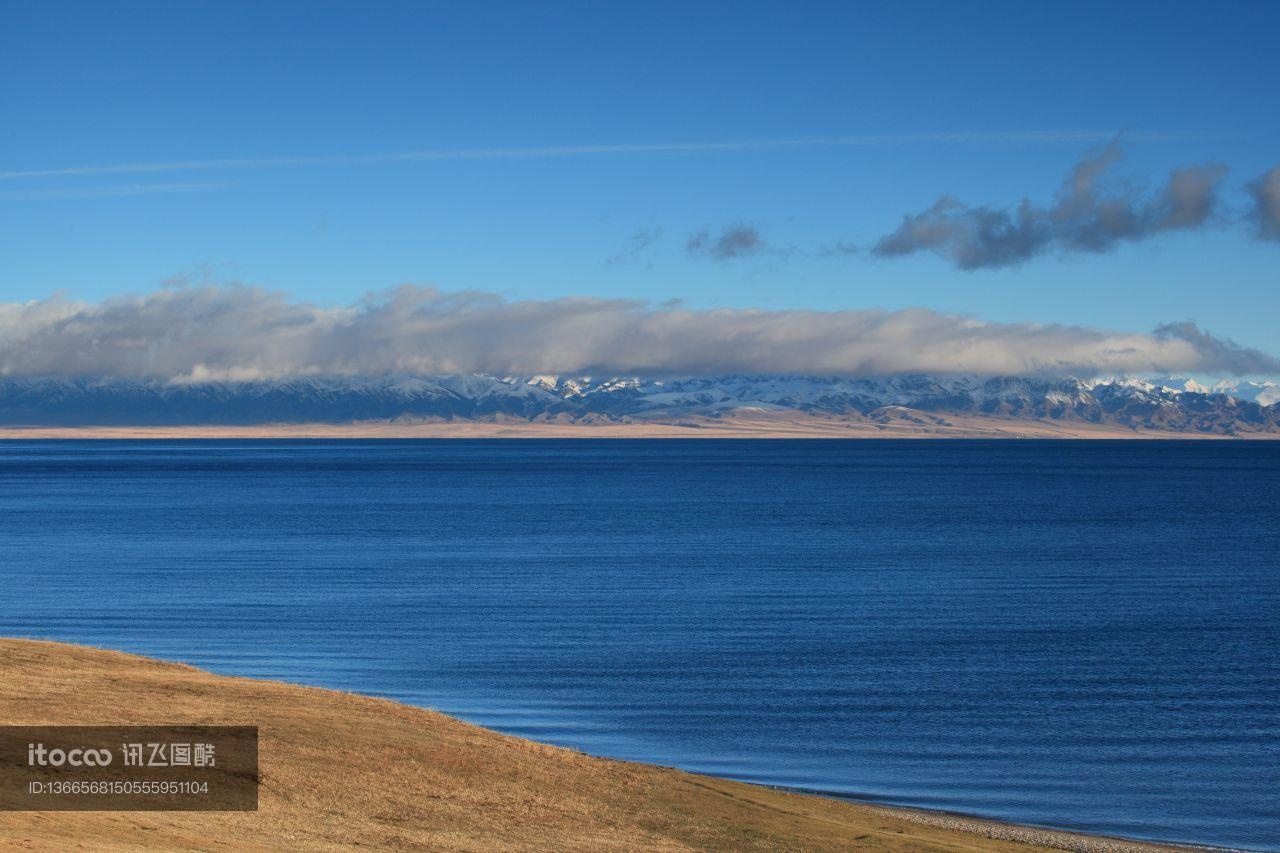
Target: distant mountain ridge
[[1171, 404]]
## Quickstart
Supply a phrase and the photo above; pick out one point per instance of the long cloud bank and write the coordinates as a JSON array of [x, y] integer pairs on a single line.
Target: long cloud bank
[[235, 332]]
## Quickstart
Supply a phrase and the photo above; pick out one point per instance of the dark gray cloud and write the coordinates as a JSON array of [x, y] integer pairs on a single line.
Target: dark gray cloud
[[639, 243], [736, 241], [1188, 199], [202, 333], [1266, 204], [1224, 354], [1086, 216]]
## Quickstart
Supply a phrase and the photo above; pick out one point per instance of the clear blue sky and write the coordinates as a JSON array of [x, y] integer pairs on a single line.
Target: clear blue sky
[[324, 89]]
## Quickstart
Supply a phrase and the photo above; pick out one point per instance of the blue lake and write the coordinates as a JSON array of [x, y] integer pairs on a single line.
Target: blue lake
[[1075, 634]]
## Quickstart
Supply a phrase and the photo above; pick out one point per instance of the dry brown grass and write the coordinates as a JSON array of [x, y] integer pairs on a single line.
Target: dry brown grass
[[341, 771]]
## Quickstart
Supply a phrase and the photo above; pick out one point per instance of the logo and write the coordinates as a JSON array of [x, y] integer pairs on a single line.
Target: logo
[[39, 756]]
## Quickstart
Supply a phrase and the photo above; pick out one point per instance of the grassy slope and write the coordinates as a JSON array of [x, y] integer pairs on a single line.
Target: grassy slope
[[341, 770]]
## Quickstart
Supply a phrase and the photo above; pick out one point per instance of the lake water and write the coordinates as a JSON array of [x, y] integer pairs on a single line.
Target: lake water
[[1075, 634]]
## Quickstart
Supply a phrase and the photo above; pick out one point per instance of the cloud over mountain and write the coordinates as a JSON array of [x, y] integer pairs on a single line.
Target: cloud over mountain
[[1087, 216], [239, 332]]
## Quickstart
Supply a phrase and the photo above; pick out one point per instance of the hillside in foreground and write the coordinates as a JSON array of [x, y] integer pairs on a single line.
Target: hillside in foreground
[[341, 770]]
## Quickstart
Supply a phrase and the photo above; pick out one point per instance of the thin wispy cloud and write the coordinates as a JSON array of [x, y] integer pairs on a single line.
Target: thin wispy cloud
[[839, 249], [637, 245], [733, 242], [195, 334], [119, 191], [1047, 137]]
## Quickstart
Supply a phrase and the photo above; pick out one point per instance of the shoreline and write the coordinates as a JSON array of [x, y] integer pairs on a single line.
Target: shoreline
[[918, 427], [1065, 839], [298, 723]]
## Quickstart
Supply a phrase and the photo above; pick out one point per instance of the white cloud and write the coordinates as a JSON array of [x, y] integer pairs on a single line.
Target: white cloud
[[236, 332]]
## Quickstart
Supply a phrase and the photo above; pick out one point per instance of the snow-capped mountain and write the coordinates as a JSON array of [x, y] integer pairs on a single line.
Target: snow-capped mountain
[[1167, 404], [1265, 392]]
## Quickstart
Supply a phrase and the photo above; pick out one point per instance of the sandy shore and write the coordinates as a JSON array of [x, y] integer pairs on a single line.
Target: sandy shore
[[905, 423], [340, 771]]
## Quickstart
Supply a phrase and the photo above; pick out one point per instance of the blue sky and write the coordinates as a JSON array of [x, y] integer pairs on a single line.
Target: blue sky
[[989, 103]]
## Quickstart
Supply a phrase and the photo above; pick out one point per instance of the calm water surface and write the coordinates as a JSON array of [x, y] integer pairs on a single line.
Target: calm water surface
[[1075, 634]]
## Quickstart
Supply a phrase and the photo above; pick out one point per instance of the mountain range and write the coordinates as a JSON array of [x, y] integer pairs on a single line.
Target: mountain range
[[1168, 404]]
